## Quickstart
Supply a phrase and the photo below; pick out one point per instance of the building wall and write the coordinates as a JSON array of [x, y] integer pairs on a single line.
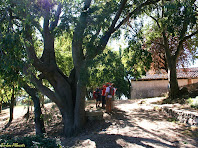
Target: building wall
[[194, 80], [153, 88]]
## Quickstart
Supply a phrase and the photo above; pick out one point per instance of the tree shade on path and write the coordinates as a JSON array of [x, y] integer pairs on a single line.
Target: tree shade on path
[[132, 124]]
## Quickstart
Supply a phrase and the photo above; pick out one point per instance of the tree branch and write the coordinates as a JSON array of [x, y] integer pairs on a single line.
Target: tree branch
[[87, 4], [179, 48], [38, 26], [166, 46], [155, 21], [105, 38], [77, 51], [148, 2], [38, 83], [57, 15], [48, 56], [31, 51], [123, 3]]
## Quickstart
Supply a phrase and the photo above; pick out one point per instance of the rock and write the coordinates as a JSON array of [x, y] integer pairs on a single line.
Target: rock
[[94, 115]]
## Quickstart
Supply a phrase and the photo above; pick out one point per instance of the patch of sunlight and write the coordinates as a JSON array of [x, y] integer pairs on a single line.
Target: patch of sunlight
[[87, 143], [127, 144], [148, 125]]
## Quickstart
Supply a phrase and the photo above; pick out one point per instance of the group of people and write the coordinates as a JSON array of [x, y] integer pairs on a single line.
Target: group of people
[[105, 95]]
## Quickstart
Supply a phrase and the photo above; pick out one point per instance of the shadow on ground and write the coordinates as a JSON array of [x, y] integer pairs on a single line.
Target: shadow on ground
[[121, 128], [97, 132]]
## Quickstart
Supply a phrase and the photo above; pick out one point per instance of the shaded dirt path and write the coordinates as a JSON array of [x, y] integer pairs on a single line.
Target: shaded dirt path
[[134, 125]]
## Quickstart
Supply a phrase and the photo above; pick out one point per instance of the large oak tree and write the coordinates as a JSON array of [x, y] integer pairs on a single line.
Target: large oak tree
[[176, 25], [92, 23]]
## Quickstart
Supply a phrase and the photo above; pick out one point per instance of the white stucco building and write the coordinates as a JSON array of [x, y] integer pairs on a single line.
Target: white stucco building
[[153, 85]]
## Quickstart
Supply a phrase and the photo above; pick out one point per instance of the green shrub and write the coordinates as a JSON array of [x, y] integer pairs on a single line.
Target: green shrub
[[30, 142], [193, 102]]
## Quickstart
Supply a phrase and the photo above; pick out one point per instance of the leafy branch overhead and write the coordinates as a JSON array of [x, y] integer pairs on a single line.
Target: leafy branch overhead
[[51, 43]]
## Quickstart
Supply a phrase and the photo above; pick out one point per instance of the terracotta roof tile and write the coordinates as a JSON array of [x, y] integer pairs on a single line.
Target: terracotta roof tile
[[181, 73]]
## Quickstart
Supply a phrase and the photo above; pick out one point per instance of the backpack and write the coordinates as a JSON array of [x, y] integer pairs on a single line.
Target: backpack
[[111, 91], [95, 96]]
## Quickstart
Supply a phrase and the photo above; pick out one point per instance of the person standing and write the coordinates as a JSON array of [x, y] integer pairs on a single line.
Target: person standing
[[98, 97], [103, 96], [108, 98], [113, 95]]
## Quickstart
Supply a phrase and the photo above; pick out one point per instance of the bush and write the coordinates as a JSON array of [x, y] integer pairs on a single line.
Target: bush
[[193, 102], [30, 142]]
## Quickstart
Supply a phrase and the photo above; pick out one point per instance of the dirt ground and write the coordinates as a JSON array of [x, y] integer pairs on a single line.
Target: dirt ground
[[132, 124]]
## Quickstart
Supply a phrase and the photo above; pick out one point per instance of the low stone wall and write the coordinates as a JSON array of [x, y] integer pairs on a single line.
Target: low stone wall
[[94, 115], [183, 116]]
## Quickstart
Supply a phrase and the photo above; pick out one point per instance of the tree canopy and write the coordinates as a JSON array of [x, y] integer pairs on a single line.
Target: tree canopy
[[47, 32], [174, 31]]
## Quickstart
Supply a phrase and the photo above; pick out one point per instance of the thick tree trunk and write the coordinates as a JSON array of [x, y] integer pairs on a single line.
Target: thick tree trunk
[[173, 83], [172, 71], [73, 115], [80, 107], [12, 107], [129, 88], [1, 105], [68, 121], [39, 123]]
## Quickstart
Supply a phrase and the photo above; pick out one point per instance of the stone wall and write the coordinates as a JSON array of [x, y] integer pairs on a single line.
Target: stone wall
[[94, 115], [183, 116]]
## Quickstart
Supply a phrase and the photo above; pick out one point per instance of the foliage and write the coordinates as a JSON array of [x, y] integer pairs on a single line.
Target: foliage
[[31, 141], [108, 67], [134, 57], [177, 19], [157, 51], [173, 30], [11, 60], [63, 53], [193, 102], [90, 25]]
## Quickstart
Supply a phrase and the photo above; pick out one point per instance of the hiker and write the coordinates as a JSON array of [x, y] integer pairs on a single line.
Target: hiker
[[103, 96], [113, 94], [95, 95], [108, 97], [98, 97]]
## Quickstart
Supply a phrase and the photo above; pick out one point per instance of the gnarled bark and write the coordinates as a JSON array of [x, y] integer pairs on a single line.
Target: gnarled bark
[[69, 92], [39, 123]]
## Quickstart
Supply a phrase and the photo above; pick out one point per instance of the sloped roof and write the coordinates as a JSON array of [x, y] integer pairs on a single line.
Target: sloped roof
[[181, 73]]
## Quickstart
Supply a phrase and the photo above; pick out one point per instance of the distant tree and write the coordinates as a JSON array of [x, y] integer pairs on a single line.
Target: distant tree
[[39, 123], [108, 67], [8, 96], [175, 21], [12, 60], [136, 61], [159, 57]]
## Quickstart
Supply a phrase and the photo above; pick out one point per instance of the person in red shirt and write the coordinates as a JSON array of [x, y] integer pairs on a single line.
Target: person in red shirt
[[103, 96]]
